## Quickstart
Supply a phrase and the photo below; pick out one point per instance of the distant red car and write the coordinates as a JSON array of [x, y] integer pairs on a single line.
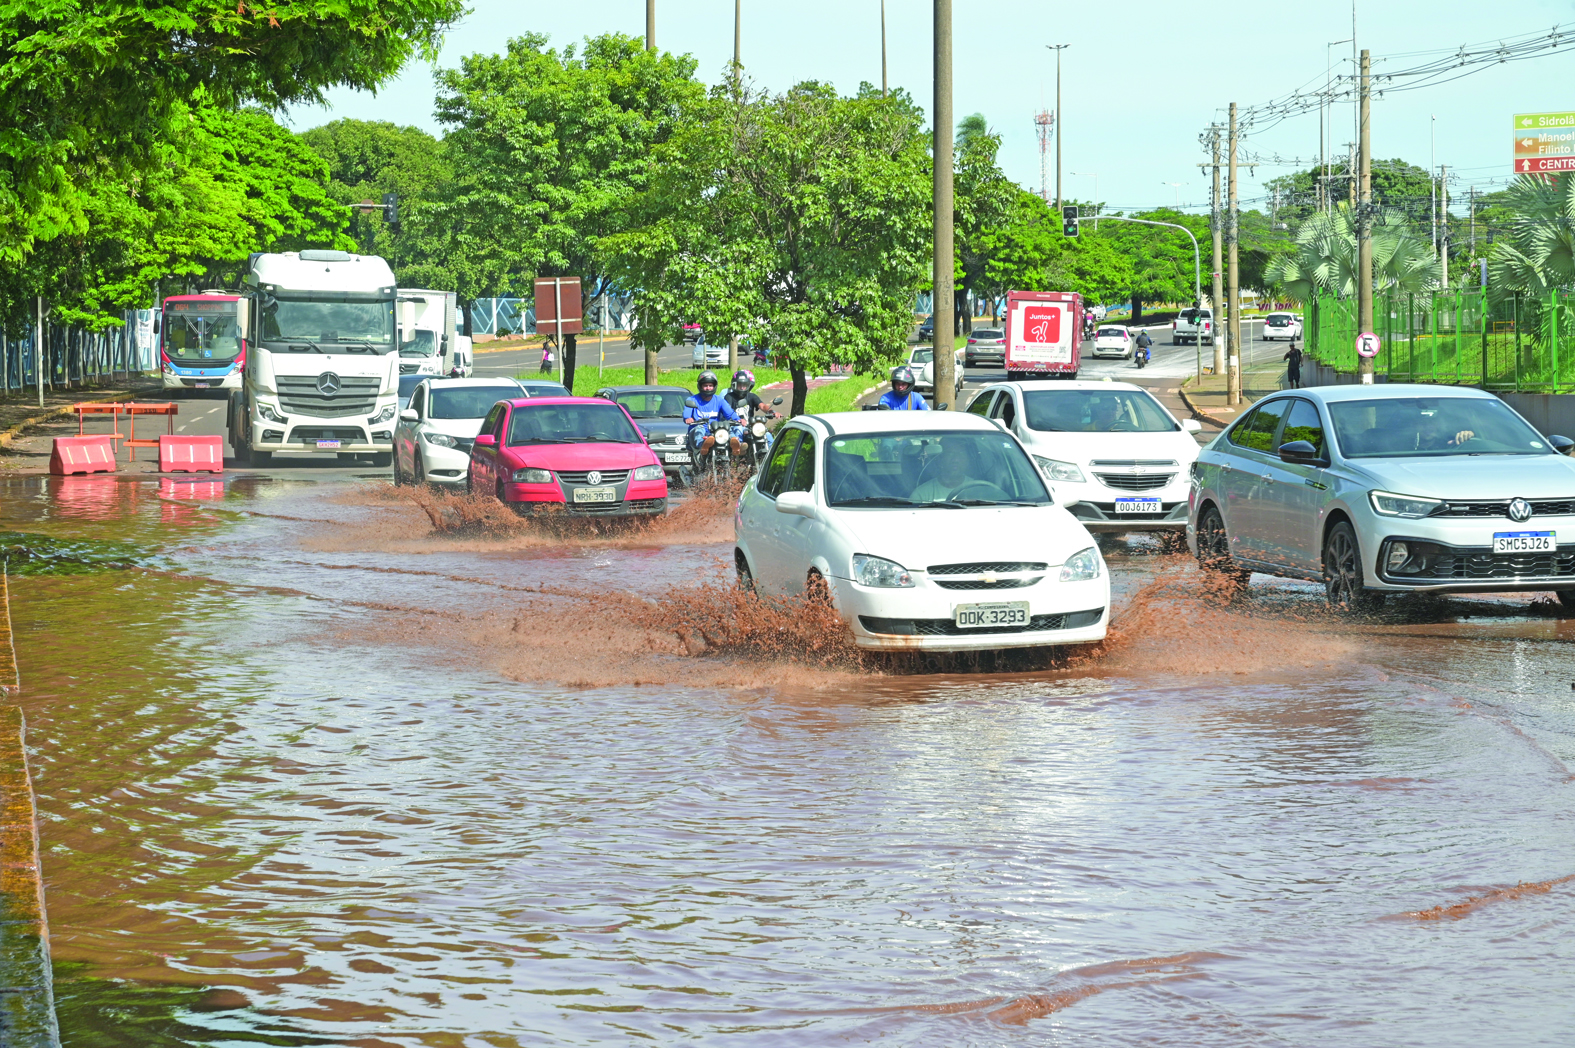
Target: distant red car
[[693, 332], [583, 456]]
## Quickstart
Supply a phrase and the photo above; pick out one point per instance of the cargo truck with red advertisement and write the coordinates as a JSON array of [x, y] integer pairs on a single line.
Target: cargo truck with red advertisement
[[1043, 334]]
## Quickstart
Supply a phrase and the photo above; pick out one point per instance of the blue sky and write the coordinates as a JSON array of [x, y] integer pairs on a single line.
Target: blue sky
[[1138, 83]]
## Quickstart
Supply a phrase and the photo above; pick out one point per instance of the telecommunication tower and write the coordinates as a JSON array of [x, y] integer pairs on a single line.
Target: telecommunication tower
[[1044, 123]]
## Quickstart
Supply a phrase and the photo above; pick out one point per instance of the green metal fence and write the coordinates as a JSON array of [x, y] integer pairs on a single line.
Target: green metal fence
[[1521, 343]]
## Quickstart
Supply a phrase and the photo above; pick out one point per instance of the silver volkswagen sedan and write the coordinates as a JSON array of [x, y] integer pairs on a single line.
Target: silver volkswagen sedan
[[1375, 489]]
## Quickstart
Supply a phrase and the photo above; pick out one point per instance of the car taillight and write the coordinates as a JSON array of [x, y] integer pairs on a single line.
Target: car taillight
[[971, 341]]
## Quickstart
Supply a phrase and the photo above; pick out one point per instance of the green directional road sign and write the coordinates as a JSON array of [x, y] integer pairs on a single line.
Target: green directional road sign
[[1544, 142]]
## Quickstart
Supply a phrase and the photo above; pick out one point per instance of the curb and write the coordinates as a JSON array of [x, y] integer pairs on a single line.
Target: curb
[[1197, 412], [65, 409]]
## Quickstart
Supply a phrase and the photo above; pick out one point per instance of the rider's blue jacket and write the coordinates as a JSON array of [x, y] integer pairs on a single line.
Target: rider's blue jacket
[[911, 402], [697, 409]]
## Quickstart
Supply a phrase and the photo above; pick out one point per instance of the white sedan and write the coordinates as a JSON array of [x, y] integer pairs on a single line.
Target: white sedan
[[433, 436], [1112, 340], [885, 511], [1282, 325]]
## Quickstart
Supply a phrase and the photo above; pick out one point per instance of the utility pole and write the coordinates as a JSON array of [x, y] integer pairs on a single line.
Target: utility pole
[[1472, 219], [1364, 222], [1059, 126], [1443, 221], [738, 83], [651, 370], [1233, 292], [944, 353], [1216, 287], [38, 351], [883, 48]]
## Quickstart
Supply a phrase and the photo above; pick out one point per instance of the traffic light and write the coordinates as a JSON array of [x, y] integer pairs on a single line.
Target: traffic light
[[1069, 221], [391, 211]]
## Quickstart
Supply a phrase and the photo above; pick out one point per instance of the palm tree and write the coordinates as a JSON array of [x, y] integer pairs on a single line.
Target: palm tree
[[1325, 257], [1538, 255]]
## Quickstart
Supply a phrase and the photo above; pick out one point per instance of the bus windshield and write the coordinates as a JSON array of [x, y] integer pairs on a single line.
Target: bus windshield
[[326, 321], [201, 333]]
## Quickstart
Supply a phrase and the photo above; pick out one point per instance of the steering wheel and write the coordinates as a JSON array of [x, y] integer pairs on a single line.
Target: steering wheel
[[994, 492]]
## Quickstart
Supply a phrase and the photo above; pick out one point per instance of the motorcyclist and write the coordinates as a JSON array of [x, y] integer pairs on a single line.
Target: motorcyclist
[[1143, 342], [901, 396], [700, 409], [743, 399]]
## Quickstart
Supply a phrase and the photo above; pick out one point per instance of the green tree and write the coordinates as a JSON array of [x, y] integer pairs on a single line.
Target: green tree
[[1536, 255], [1325, 257], [87, 89], [1163, 265], [800, 220], [1398, 186], [368, 158], [982, 197], [549, 150], [1028, 252]]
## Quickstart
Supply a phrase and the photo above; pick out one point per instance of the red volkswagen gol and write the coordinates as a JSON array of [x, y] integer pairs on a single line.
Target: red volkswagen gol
[[579, 455]]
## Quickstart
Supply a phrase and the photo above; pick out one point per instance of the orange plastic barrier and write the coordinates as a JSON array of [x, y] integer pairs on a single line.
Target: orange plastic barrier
[[135, 408], [90, 454], [179, 453]]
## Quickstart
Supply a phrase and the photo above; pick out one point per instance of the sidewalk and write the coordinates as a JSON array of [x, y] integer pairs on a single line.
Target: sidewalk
[[1206, 401]]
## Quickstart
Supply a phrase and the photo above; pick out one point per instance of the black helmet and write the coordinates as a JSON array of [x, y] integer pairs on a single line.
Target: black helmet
[[706, 377], [743, 381], [902, 379]]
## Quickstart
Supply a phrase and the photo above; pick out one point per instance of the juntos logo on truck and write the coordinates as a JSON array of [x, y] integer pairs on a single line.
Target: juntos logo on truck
[[1042, 324]]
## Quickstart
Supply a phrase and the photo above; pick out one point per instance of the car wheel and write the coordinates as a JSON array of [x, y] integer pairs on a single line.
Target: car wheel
[[816, 590], [499, 493], [746, 578], [1343, 581], [1567, 601], [399, 476], [418, 471], [1214, 552]]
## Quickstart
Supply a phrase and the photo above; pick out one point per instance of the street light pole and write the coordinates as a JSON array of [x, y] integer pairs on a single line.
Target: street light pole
[[883, 48], [1233, 281], [651, 370], [738, 83], [1197, 269], [944, 353], [1059, 126], [1177, 187]]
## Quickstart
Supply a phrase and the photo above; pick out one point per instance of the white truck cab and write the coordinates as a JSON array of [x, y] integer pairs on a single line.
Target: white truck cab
[[427, 339], [324, 374]]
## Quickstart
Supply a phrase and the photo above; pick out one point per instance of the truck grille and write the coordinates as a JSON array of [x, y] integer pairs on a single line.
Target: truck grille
[[1135, 481], [299, 395], [308, 434]]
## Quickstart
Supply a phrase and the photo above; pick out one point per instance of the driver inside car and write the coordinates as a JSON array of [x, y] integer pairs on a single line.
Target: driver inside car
[[948, 474]]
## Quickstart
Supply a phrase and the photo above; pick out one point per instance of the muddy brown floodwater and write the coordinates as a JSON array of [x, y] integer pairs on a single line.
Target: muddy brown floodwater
[[317, 766]]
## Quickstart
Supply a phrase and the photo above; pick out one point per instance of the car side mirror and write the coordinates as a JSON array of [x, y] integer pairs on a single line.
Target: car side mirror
[[776, 401], [486, 440], [1561, 444], [409, 415], [798, 503], [943, 407], [1300, 452], [1191, 425]]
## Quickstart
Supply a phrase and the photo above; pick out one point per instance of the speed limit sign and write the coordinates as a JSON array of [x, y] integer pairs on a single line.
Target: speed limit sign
[[1367, 344]]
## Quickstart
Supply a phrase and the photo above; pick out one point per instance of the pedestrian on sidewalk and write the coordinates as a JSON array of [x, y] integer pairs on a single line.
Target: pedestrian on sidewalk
[[1293, 366], [546, 356]]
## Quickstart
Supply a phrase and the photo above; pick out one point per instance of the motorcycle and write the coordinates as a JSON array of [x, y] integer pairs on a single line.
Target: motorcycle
[[719, 462], [757, 442], [1140, 356]]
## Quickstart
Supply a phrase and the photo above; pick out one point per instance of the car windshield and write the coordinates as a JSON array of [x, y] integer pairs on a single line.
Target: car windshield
[[201, 332], [1412, 427], [1112, 332], [571, 424], [922, 356], [420, 344], [654, 403], [880, 470], [365, 322], [468, 401], [1095, 411], [991, 334]]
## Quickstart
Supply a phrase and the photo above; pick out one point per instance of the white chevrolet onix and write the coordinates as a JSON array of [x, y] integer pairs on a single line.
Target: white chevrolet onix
[[930, 532]]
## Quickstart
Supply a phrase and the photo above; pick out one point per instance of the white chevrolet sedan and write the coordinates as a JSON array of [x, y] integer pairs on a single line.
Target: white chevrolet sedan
[[930, 532], [434, 434]]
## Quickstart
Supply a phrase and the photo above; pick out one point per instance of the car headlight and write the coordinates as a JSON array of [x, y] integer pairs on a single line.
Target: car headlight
[[878, 571], [442, 440], [1390, 505], [1081, 566], [1062, 471], [269, 414], [647, 473], [532, 476], [383, 416]]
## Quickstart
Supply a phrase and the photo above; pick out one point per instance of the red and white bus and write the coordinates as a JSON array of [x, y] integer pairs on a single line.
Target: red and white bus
[[202, 341], [1044, 332]]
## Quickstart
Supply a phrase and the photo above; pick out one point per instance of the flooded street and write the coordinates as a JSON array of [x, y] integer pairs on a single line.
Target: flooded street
[[310, 771]]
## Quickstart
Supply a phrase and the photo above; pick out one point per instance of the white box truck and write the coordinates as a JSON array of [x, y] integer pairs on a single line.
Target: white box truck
[[322, 376], [427, 323]]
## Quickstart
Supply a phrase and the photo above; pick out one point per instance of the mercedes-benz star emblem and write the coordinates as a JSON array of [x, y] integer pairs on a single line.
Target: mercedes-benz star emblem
[[328, 383], [1519, 510], [595, 477]]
